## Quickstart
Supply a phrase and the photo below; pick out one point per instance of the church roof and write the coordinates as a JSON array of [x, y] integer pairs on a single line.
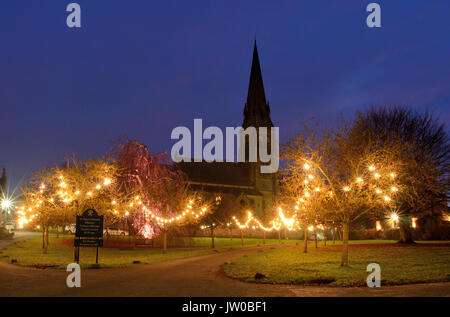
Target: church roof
[[225, 190], [223, 173]]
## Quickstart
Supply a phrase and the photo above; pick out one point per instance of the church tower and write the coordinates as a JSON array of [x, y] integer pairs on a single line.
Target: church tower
[[242, 184], [257, 114], [256, 110]]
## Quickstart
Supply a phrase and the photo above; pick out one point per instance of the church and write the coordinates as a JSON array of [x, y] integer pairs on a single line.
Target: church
[[242, 183]]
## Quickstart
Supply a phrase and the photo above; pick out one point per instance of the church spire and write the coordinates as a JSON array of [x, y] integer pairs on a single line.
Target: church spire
[[256, 111]]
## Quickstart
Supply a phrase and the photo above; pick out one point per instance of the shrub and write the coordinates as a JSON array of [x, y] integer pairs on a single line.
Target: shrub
[[4, 234]]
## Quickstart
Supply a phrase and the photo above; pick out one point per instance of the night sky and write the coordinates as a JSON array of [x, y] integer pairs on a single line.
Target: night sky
[[140, 68]]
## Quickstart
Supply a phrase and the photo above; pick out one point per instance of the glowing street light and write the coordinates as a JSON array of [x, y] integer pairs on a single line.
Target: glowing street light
[[6, 204], [394, 217]]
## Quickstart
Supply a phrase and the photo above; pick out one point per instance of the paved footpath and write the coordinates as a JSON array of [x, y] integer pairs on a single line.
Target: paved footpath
[[197, 276], [18, 236]]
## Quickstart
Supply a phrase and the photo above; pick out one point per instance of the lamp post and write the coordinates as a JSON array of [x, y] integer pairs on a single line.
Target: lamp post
[[6, 205]]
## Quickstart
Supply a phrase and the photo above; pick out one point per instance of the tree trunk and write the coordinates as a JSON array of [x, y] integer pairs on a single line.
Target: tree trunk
[[325, 238], [212, 236], [46, 236], [57, 232], [334, 235], [242, 237], [45, 240], [305, 240], [279, 236], [165, 241], [405, 230], [345, 230], [285, 234], [264, 237], [129, 235]]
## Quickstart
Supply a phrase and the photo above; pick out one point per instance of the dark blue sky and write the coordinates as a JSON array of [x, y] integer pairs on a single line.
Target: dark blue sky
[[140, 68]]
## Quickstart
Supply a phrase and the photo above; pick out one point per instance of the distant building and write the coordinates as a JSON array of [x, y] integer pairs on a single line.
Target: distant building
[[3, 182], [243, 182]]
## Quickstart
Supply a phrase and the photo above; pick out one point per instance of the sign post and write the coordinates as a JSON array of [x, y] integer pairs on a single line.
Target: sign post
[[88, 233]]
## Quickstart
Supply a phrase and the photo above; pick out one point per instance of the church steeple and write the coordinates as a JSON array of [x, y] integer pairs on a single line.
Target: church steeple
[[257, 110]]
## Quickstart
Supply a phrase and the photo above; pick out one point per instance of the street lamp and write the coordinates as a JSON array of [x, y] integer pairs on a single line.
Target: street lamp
[[6, 204], [394, 218]]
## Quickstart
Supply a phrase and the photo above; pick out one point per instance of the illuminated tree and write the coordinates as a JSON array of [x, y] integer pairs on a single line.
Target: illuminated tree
[[162, 187], [54, 196], [332, 181]]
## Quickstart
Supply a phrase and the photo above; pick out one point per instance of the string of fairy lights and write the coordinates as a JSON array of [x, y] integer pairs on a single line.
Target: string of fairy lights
[[292, 222], [65, 197], [28, 213], [347, 188]]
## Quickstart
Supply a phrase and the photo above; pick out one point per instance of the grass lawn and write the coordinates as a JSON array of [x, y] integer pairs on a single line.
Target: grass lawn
[[425, 262], [29, 252]]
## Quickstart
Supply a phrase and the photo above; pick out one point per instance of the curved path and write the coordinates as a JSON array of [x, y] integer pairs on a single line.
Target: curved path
[[196, 276]]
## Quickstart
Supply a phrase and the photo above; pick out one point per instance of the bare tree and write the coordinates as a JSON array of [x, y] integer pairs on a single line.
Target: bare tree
[[222, 209], [420, 142]]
